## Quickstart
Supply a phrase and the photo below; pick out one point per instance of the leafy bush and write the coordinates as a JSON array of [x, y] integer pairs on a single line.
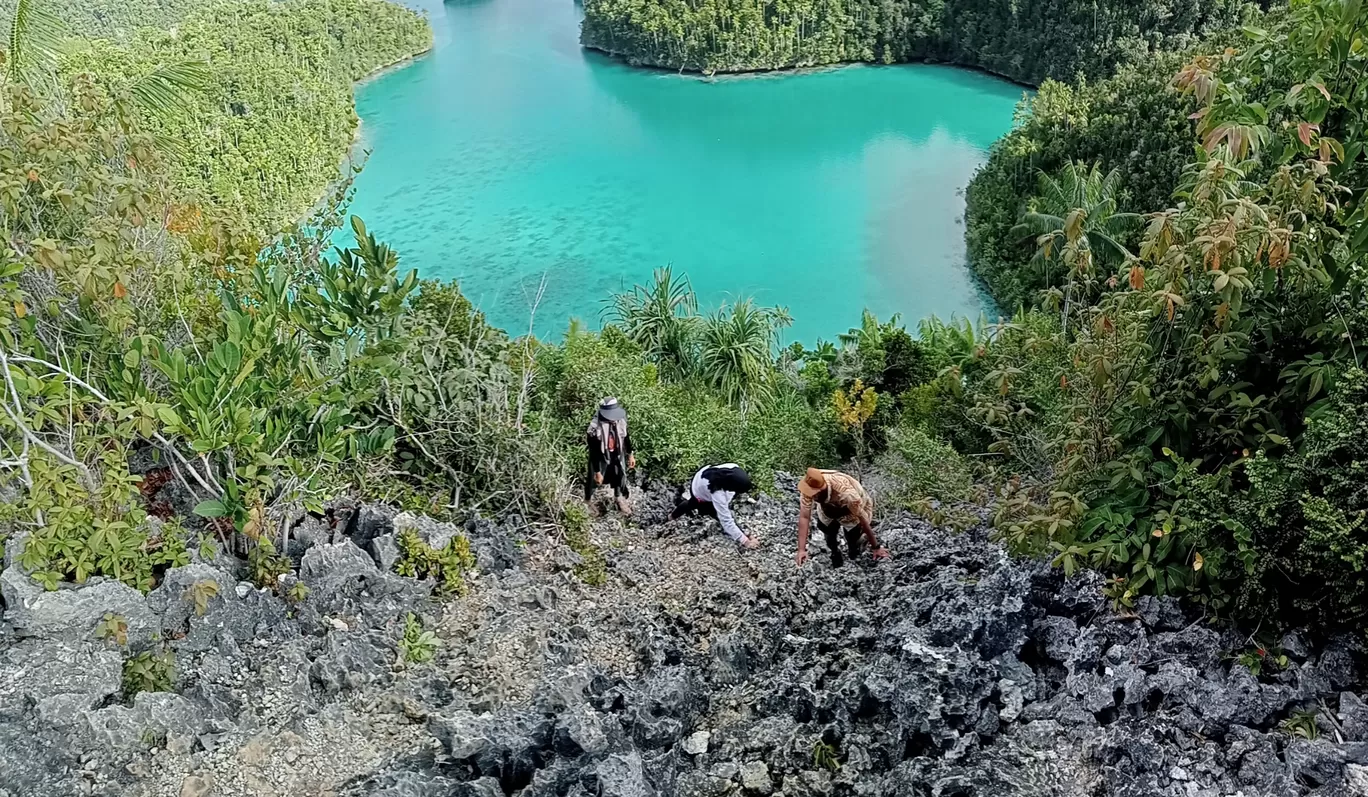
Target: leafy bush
[[676, 426], [923, 467], [418, 645], [94, 529], [448, 567], [149, 671]]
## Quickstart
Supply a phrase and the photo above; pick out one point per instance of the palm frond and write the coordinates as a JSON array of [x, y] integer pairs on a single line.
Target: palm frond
[[661, 319], [35, 37], [1108, 249], [1110, 188], [1033, 225], [1052, 194], [1118, 224], [167, 89]]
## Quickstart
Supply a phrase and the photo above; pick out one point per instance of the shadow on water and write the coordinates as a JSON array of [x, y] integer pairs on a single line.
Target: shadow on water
[[825, 111]]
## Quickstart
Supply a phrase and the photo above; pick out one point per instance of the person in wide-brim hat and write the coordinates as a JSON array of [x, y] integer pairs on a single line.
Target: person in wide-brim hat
[[610, 453], [610, 410], [837, 501]]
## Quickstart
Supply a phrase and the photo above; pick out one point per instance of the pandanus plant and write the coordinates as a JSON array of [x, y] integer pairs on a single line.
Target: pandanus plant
[[1074, 221]]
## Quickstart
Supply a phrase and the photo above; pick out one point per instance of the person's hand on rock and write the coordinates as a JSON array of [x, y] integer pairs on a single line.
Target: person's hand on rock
[[882, 553]]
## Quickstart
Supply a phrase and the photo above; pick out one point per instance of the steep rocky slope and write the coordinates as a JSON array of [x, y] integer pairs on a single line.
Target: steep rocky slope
[[696, 670]]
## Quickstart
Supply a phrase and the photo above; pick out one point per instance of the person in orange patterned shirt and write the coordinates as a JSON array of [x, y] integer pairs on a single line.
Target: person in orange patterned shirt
[[839, 502]]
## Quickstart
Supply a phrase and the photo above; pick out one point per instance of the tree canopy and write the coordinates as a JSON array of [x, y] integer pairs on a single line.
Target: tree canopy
[[1024, 40]]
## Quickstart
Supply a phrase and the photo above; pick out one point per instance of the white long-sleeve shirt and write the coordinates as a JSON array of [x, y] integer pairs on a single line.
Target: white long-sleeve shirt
[[720, 499]]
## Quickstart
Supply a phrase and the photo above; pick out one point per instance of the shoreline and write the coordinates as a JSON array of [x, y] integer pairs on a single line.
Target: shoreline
[[347, 163], [699, 74], [375, 74]]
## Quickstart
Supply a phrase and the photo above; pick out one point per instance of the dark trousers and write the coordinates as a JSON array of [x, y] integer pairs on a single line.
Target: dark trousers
[[854, 539], [614, 475], [690, 505]]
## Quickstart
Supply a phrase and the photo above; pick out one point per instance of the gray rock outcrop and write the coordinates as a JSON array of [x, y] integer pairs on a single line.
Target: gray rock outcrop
[[951, 671]]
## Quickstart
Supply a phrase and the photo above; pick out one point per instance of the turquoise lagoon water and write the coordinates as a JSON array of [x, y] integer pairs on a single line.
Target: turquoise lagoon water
[[510, 155]]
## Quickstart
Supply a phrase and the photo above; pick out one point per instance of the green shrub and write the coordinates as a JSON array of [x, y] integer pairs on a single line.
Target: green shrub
[[149, 671], [592, 567], [418, 645], [99, 532], [924, 468], [731, 349], [905, 363], [448, 567], [676, 427]]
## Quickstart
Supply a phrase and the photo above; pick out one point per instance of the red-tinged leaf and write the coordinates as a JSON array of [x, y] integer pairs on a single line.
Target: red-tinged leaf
[[1319, 86], [119, 290], [1304, 131]]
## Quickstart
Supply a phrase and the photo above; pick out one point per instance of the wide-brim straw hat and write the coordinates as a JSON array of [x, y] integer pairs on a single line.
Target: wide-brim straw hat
[[813, 483]]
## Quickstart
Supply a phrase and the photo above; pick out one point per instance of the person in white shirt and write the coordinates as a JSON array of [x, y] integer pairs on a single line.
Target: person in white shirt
[[711, 493]]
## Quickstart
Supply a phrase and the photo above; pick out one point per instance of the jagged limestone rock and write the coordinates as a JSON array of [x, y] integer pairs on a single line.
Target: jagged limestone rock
[[72, 612]]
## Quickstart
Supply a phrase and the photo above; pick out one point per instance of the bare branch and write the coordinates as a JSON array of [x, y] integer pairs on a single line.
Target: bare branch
[[206, 480]]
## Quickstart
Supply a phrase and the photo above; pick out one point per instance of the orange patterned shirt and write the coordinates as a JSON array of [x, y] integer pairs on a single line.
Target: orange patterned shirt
[[847, 501]]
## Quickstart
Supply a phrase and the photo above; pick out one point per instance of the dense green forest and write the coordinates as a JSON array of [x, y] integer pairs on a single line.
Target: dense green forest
[[1180, 401], [1134, 122], [1187, 370], [1024, 40], [274, 121]]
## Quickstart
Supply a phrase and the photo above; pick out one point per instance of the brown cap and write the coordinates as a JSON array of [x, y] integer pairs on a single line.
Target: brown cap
[[814, 482]]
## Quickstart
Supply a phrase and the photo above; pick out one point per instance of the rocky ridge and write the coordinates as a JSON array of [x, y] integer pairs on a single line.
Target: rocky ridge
[[952, 670]]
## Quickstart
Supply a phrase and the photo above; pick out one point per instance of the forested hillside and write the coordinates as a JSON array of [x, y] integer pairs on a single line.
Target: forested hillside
[[1024, 40], [274, 120], [1186, 243]]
